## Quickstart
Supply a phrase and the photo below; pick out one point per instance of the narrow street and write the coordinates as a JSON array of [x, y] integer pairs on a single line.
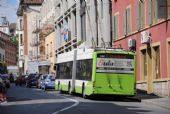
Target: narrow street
[[23, 100]]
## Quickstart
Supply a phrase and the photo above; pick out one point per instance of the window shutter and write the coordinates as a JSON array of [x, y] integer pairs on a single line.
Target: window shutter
[[162, 8], [113, 28], [150, 11], [116, 26], [143, 15], [125, 23], [137, 15]]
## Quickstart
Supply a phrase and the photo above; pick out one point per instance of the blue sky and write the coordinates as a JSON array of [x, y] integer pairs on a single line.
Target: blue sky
[[8, 8]]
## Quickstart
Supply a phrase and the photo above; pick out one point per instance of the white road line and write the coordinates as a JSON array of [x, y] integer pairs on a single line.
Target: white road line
[[66, 108]]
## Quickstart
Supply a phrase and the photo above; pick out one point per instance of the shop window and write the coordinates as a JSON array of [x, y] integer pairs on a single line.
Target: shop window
[[156, 62], [143, 64]]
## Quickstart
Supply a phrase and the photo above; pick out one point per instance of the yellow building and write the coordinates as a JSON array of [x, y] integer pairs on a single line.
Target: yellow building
[[50, 46]]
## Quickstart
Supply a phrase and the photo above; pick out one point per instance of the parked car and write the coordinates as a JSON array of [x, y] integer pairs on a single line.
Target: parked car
[[5, 79], [41, 80], [49, 82], [32, 80]]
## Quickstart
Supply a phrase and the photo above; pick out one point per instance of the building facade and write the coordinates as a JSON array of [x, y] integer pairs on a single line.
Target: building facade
[[2, 48], [82, 23], [10, 50], [28, 22], [144, 26], [50, 46]]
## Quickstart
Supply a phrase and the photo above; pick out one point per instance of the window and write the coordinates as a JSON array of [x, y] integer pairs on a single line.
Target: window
[[102, 8], [84, 70], [168, 5], [64, 70], [21, 39], [21, 52], [143, 65], [140, 14], [51, 50], [157, 9], [47, 52], [127, 21], [116, 26], [21, 24], [156, 62]]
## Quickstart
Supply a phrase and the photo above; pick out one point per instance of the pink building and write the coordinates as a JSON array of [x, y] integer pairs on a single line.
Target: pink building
[[144, 26]]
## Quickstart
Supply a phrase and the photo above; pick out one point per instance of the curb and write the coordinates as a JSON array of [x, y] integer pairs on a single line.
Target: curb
[[157, 104]]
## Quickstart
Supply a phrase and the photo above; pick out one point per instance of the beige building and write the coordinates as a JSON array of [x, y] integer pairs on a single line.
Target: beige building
[[50, 45]]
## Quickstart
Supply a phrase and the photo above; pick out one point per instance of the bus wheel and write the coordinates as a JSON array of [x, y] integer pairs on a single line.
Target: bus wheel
[[60, 89], [69, 88], [58, 86], [83, 92]]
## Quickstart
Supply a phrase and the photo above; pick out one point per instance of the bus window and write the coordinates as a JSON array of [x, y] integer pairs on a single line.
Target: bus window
[[64, 70], [84, 70]]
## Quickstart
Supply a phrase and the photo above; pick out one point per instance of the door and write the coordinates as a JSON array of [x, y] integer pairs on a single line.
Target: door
[[149, 71]]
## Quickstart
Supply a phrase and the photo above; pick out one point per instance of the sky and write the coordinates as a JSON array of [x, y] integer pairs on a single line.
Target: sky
[[9, 8]]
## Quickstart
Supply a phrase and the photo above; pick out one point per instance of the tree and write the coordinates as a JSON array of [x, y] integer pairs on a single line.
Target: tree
[[14, 39]]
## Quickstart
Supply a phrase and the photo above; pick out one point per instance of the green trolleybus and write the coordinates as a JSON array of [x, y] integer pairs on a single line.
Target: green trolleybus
[[97, 72]]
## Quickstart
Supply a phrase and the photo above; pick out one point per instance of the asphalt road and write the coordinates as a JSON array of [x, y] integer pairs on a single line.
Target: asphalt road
[[23, 100]]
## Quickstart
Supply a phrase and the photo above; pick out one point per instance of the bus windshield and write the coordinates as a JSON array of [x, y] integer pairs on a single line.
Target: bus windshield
[[115, 63]]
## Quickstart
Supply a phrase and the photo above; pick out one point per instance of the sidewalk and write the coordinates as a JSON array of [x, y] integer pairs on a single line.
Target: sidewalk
[[161, 102], [153, 99]]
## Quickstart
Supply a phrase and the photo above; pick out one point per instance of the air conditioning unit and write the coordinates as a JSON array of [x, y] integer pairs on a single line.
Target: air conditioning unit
[[131, 43], [145, 37]]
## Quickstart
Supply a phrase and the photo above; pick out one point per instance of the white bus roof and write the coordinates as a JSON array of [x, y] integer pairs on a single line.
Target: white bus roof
[[84, 54], [64, 57]]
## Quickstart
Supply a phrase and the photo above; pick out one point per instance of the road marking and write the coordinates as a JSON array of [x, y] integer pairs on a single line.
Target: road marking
[[69, 107], [37, 101]]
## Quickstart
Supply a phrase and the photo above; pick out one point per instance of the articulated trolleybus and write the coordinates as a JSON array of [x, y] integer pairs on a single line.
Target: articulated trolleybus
[[97, 72]]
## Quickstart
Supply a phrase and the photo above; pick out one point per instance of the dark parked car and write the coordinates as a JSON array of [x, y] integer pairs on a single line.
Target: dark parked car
[[32, 80]]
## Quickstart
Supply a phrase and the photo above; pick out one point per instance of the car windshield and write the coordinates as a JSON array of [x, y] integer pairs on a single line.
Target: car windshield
[[51, 77], [44, 76]]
